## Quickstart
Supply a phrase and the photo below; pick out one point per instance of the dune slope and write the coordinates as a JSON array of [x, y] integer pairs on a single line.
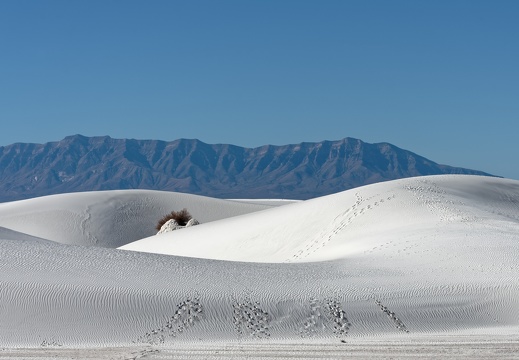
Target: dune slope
[[413, 257], [110, 218], [412, 219]]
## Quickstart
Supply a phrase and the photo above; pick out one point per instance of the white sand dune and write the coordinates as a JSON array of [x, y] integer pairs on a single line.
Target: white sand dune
[[397, 219], [409, 258], [6, 233], [111, 218]]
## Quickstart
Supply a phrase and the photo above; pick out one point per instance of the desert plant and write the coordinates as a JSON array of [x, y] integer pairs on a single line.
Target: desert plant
[[181, 217]]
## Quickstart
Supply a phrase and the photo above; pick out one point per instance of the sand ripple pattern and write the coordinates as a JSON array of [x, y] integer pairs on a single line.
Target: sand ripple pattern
[[391, 315], [250, 319], [322, 313], [187, 314]]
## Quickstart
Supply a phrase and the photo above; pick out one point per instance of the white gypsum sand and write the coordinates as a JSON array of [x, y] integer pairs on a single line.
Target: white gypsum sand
[[408, 259], [110, 218]]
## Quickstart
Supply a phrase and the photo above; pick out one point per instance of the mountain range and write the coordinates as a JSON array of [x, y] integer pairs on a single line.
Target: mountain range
[[297, 171]]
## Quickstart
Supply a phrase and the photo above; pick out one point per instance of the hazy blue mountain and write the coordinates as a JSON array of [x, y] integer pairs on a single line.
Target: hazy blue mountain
[[300, 171]]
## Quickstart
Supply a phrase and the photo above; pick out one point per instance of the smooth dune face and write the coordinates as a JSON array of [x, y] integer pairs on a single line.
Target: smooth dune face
[[15, 235], [420, 256], [110, 218], [412, 219]]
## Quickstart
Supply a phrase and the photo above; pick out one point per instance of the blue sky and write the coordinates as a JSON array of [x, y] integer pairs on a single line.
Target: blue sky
[[439, 78]]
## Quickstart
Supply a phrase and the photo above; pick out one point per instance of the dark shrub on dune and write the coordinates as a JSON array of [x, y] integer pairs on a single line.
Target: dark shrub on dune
[[181, 217]]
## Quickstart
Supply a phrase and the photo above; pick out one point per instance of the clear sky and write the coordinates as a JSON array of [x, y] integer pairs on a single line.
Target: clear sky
[[439, 78]]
